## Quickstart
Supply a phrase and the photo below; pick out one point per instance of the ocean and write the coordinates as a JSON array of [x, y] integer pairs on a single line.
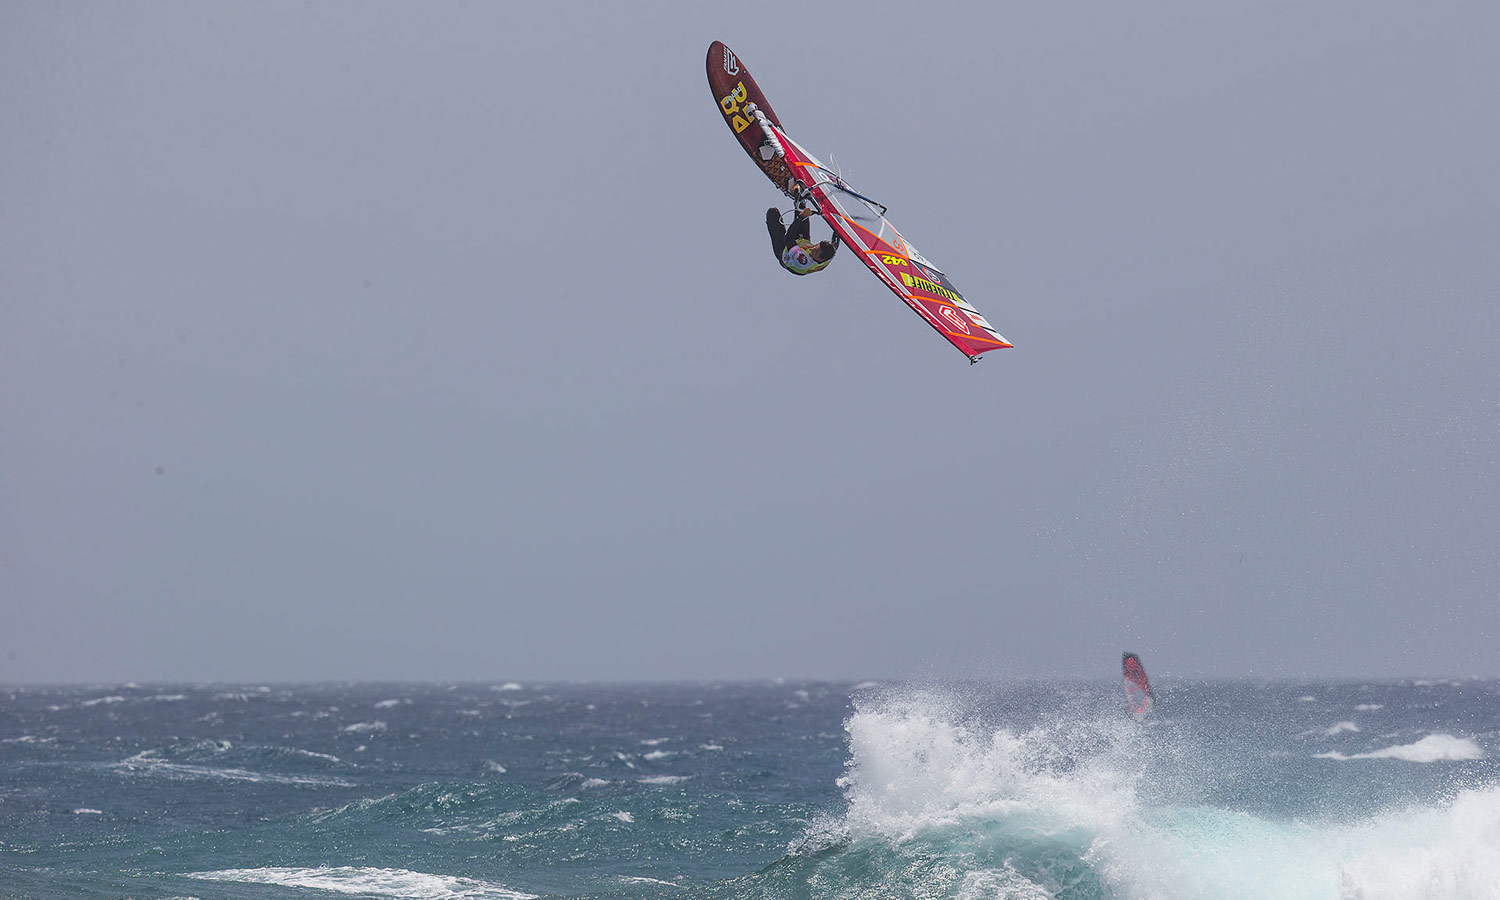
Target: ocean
[[751, 791]]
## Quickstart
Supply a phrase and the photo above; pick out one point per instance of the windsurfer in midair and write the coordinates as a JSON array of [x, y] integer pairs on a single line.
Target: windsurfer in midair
[[793, 246]]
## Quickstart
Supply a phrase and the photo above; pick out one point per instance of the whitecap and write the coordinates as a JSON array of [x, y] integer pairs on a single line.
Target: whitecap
[[98, 700], [1340, 728], [364, 726], [1369, 707], [710, 746], [659, 754], [148, 763], [625, 817], [367, 880], [508, 686], [1433, 748], [85, 811], [642, 879], [387, 704], [495, 767], [594, 783], [663, 779]]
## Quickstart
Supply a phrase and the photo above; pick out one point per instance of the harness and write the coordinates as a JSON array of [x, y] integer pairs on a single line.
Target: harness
[[798, 259]]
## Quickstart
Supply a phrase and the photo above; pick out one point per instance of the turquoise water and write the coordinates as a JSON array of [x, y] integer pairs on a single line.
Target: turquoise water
[[769, 790]]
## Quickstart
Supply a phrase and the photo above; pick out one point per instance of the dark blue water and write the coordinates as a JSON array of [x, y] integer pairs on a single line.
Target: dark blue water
[[785, 790]]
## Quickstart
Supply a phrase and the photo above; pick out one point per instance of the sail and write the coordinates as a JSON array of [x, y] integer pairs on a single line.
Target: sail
[[1137, 685], [864, 229]]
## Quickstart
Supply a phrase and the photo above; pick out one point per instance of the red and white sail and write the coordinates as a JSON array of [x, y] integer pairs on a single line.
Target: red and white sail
[[900, 266]]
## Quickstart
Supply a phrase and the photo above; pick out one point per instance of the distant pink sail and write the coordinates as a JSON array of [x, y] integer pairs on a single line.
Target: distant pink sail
[[1137, 685]]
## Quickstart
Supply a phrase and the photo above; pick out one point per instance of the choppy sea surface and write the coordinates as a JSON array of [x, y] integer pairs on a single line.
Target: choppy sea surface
[[752, 790]]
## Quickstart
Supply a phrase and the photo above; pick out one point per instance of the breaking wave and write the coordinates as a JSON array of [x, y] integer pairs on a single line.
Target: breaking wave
[[1091, 805]]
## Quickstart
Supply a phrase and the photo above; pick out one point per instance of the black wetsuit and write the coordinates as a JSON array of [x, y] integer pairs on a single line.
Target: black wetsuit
[[782, 237]]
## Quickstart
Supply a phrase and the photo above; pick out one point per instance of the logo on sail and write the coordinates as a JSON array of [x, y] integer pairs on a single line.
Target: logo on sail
[[731, 65], [948, 313]]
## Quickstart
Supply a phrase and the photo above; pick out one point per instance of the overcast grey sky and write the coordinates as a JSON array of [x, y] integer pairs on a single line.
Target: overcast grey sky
[[408, 341]]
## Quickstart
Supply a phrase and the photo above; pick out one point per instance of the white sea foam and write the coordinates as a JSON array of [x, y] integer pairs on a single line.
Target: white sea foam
[[920, 769], [710, 746], [358, 727], [98, 700], [624, 816], [916, 767], [1369, 707], [85, 811], [594, 783], [1340, 728], [663, 779], [396, 883], [659, 754], [149, 763], [1005, 882], [495, 767], [1433, 748], [508, 686], [315, 755], [654, 742], [387, 704], [1445, 853], [642, 879]]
